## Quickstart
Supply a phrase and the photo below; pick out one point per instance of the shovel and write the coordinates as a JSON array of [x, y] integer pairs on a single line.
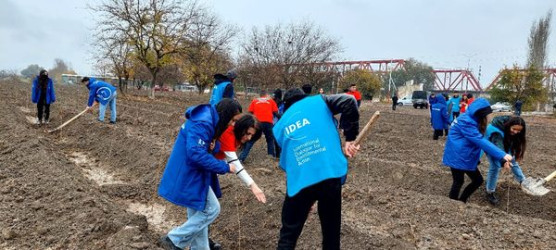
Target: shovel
[[534, 186], [66, 123]]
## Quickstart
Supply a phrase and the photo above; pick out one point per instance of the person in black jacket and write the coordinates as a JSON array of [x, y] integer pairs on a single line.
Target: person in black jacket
[[394, 101]]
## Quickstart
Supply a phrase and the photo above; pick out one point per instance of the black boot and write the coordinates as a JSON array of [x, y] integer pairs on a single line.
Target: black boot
[[492, 198], [213, 245]]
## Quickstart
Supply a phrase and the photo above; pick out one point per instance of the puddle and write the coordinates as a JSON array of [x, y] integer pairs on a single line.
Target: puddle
[[154, 213], [93, 171]]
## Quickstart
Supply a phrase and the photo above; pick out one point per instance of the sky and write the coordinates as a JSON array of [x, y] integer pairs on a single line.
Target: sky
[[455, 34]]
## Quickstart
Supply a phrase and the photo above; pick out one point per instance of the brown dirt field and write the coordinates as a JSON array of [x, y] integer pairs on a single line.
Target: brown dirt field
[[93, 186]]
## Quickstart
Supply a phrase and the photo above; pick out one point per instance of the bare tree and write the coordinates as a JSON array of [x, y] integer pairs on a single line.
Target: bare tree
[[207, 51], [156, 29], [281, 54], [538, 40], [60, 67]]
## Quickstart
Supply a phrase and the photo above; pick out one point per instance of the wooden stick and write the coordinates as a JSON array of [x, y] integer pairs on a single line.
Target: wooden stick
[[549, 177], [70, 120], [367, 128]]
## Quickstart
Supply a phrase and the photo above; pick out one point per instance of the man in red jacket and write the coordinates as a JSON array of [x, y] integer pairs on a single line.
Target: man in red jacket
[[264, 108], [353, 91]]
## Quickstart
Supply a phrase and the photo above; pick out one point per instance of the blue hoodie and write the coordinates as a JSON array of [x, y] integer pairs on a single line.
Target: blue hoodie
[[36, 91], [439, 114], [191, 169], [100, 91], [463, 146]]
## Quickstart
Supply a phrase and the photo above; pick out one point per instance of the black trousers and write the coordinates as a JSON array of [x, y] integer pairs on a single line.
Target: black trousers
[[394, 105], [458, 179], [439, 132], [296, 209], [41, 105]]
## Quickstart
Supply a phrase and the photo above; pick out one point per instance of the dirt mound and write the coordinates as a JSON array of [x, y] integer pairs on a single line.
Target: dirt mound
[[93, 185]]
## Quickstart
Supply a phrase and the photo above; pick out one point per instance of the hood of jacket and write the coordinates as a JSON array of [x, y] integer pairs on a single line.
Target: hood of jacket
[[91, 81], [475, 106], [440, 99], [202, 113]]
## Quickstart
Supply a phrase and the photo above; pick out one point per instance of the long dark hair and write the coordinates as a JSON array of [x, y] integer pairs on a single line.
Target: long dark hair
[[483, 122], [43, 79], [515, 144], [226, 109], [243, 124]]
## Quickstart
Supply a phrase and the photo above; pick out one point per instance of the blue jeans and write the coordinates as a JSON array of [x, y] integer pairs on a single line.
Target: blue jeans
[[266, 128], [494, 171], [102, 109], [194, 232]]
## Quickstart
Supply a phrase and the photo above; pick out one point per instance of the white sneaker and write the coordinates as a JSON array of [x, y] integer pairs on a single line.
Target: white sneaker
[[38, 122]]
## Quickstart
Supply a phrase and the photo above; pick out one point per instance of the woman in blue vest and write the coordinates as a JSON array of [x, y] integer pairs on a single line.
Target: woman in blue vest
[[508, 134], [314, 161], [103, 93], [42, 93], [190, 177], [463, 149]]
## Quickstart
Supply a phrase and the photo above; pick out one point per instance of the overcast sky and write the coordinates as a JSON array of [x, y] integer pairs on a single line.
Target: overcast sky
[[444, 34]]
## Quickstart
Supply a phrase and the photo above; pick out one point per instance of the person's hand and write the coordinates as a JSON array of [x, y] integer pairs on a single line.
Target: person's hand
[[350, 149], [89, 109], [507, 166], [212, 145], [258, 193], [508, 158], [232, 168]]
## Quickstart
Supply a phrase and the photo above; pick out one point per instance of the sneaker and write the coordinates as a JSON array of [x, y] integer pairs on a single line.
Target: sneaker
[[38, 122], [99, 120], [213, 245], [47, 121], [167, 244], [112, 122], [492, 198]]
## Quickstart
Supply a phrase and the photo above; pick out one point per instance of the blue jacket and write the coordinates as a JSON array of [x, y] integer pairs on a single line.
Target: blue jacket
[[100, 91], [36, 91], [463, 146], [439, 114], [191, 169]]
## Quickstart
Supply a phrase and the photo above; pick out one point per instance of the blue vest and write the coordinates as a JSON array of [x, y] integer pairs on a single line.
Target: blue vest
[[492, 129], [217, 93], [311, 147]]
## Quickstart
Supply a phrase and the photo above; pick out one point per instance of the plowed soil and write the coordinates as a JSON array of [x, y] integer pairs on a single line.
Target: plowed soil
[[93, 185]]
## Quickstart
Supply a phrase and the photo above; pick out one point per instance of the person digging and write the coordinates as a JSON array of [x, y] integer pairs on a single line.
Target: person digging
[[508, 134], [103, 93]]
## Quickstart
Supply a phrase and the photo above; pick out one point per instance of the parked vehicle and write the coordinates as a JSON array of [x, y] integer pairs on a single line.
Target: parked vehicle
[[405, 101], [163, 88], [501, 107], [186, 88], [419, 99]]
